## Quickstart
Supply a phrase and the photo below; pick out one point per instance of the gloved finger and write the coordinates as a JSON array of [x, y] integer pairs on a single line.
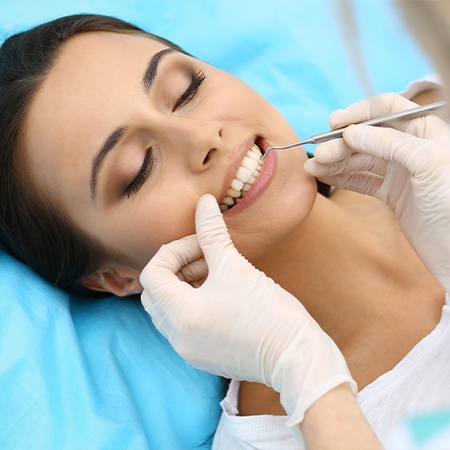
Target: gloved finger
[[154, 311], [428, 126], [212, 232], [356, 162], [362, 182], [194, 272], [164, 293], [392, 145], [146, 300], [370, 108], [332, 151], [161, 272]]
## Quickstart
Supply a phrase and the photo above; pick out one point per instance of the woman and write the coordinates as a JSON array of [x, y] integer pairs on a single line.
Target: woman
[[110, 136]]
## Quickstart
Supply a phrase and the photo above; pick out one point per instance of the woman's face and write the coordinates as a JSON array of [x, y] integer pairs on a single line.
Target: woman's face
[[126, 135]]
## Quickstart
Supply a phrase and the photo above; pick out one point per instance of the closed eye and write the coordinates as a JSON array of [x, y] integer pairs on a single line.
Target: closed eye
[[141, 177], [190, 92]]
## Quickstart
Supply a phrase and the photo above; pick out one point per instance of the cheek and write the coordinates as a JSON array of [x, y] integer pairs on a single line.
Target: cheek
[[154, 221], [161, 226]]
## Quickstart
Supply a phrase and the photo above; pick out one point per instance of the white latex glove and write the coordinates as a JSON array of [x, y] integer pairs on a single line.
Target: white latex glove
[[407, 167], [239, 323]]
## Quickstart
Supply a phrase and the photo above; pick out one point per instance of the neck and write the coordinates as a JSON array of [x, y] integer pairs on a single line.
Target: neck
[[354, 271], [352, 268]]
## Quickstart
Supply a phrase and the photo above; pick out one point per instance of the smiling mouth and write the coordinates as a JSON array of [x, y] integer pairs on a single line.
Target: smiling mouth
[[246, 175]]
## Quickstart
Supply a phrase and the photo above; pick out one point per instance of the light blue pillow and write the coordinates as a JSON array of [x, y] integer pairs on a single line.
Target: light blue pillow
[[82, 375], [89, 375]]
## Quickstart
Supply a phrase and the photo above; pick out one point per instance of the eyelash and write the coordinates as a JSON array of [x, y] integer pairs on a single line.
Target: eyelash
[[147, 164], [191, 91], [144, 172]]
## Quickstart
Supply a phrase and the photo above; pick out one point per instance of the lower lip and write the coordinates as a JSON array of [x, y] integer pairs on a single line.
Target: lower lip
[[258, 186]]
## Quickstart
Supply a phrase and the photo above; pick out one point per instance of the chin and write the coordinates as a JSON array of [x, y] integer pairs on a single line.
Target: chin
[[275, 216]]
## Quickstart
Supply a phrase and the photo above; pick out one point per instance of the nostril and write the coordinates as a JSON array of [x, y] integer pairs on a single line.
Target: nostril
[[208, 156]]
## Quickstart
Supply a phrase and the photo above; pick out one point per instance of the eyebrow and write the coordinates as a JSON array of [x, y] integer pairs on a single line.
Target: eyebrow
[[113, 139], [152, 68]]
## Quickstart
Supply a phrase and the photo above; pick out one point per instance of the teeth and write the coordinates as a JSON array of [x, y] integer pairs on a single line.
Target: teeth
[[243, 174], [233, 193], [250, 163], [254, 155], [228, 201], [245, 177], [237, 185]]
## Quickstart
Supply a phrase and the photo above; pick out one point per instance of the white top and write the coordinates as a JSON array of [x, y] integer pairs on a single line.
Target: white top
[[420, 382]]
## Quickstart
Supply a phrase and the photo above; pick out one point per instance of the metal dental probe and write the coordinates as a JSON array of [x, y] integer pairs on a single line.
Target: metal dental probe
[[384, 120]]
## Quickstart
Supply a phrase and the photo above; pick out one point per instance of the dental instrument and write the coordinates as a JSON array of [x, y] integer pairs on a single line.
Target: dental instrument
[[378, 121]]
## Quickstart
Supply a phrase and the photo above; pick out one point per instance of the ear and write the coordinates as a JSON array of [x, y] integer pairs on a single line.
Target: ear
[[120, 282]]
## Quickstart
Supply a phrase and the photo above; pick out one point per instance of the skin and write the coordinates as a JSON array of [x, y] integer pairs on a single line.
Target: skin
[[345, 257], [336, 422]]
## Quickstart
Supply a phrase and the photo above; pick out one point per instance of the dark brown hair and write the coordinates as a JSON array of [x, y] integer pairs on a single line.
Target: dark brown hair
[[32, 228]]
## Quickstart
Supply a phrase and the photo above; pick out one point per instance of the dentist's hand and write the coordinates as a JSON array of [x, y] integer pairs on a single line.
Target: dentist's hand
[[239, 323], [407, 167]]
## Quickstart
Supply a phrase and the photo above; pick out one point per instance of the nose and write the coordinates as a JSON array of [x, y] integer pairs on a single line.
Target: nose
[[196, 141]]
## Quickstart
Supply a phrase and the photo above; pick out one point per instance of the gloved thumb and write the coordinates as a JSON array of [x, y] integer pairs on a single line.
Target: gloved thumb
[[212, 232]]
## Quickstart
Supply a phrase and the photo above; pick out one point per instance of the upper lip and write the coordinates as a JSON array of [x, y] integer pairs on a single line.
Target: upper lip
[[234, 165]]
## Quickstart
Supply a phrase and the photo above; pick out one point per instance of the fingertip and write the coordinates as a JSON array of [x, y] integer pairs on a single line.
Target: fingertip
[[207, 202], [323, 153], [309, 166], [336, 118], [205, 198], [316, 169], [331, 151], [211, 230], [207, 206], [208, 217]]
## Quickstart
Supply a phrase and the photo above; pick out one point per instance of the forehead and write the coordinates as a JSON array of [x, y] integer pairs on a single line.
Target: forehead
[[91, 64], [95, 59], [96, 49], [81, 100]]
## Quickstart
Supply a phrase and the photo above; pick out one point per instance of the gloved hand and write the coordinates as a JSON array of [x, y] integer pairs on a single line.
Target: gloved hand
[[407, 167], [239, 323]]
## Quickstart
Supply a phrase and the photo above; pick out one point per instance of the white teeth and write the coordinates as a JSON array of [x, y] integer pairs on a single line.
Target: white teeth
[[233, 193], [243, 174], [245, 177], [255, 156], [237, 185], [250, 163]]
